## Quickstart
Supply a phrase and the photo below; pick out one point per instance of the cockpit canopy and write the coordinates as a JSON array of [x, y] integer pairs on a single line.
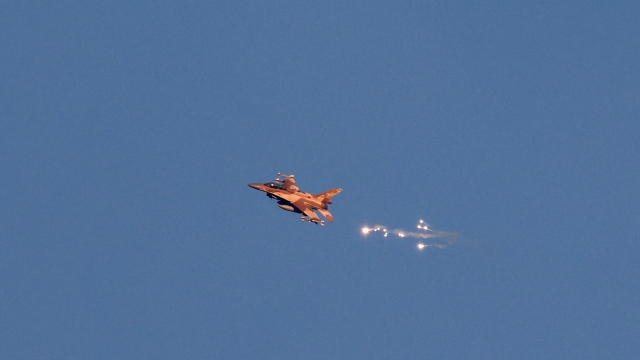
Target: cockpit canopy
[[275, 185]]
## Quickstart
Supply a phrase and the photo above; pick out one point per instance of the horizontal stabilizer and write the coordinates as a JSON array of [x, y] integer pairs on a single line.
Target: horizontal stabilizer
[[326, 214]]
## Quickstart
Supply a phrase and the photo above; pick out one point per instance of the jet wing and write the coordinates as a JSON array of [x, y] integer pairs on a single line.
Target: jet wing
[[290, 184], [307, 210]]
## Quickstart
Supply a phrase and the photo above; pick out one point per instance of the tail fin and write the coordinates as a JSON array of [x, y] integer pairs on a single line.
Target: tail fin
[[327, 195]]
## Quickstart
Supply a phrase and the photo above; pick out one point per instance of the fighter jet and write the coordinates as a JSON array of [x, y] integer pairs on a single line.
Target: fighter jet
[[290, 198]]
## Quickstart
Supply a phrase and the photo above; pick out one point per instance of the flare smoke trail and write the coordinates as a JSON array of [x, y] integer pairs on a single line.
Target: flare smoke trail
[[426, 233]]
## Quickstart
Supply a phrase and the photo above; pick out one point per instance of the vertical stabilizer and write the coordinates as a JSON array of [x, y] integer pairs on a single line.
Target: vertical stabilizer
[[327, 195]]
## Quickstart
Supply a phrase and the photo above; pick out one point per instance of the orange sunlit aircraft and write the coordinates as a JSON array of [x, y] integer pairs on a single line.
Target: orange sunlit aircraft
[[290, 198]]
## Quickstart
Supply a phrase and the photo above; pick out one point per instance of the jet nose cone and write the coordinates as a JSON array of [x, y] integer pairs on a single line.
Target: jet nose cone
[[255, 186]]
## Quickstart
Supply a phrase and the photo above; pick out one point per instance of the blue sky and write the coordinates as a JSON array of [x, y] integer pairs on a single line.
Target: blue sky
[[129, 131]]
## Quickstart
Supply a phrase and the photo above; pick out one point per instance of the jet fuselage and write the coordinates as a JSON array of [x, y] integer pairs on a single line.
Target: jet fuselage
[[290, 198]]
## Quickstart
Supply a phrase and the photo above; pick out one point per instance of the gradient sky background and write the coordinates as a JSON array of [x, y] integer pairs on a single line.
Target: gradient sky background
[[130, 130]]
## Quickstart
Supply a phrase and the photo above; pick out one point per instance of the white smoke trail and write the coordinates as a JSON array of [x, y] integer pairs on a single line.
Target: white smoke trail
[[426, 233]]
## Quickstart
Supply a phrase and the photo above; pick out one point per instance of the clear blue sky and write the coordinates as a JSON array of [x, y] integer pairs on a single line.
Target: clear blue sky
[[129, 131]]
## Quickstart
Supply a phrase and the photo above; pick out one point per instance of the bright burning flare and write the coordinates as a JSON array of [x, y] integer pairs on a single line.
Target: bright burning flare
[[426, 233], [423, 225]]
